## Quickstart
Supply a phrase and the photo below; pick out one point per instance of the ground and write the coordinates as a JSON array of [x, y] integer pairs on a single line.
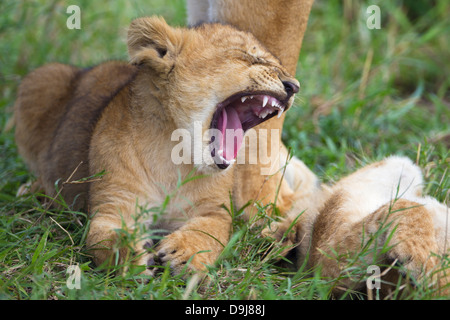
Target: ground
[[365, 94]]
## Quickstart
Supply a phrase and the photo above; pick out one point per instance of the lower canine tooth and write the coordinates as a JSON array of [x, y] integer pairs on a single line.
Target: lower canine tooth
[[280, 112], [264, 113], [225, 161]]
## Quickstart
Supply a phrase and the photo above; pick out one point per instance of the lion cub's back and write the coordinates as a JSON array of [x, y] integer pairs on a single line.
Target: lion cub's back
[[55, 113], [40, 104]]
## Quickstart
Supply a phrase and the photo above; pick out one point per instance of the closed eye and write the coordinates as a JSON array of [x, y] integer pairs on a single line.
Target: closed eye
[[250, 58], [245, 56]]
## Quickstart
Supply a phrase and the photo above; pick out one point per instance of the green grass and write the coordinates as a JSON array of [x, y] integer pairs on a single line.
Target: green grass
[[366, 94]]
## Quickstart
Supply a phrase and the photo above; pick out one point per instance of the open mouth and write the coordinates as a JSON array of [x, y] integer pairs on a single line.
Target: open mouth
[[235, 116]]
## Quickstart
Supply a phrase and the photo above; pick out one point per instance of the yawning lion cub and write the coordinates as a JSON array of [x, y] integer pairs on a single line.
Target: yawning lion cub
[[118, 119]]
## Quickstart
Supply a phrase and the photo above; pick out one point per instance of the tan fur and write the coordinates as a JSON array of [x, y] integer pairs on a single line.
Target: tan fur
[[49, 135], [279, 25], [385, 199], [119, 118]]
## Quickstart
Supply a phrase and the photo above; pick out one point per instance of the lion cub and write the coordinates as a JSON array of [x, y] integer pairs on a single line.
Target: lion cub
[[147, 126], [375, 216]]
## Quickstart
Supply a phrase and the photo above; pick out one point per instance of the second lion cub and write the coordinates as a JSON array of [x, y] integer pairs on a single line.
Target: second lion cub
[[376, 216], [119, 118]]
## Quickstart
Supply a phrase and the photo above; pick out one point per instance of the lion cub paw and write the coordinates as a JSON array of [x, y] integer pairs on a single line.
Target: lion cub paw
[[413, 241], [414, 259], [183, 249]]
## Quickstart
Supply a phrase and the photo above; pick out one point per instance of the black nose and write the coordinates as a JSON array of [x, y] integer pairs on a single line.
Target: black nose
[[290, 87]]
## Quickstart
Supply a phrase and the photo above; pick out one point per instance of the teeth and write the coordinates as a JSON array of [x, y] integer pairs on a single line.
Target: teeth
[[265, 100], [225, 161], [280, 112], [276, 105], [264, 113]]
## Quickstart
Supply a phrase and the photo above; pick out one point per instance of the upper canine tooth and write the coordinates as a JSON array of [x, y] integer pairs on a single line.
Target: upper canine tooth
[[265, 100], [243, 99]]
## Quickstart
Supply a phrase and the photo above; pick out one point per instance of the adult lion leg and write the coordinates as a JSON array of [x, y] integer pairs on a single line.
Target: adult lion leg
[[280, 26]]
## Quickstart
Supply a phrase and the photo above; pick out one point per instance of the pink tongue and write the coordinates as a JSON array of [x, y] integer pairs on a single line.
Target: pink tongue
[[231, 123]]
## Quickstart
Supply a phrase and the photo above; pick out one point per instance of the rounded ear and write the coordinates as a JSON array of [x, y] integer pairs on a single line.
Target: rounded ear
[[151, 41]]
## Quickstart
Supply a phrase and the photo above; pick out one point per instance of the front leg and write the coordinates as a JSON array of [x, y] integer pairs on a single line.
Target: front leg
[[115, 236], [199, 242]]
